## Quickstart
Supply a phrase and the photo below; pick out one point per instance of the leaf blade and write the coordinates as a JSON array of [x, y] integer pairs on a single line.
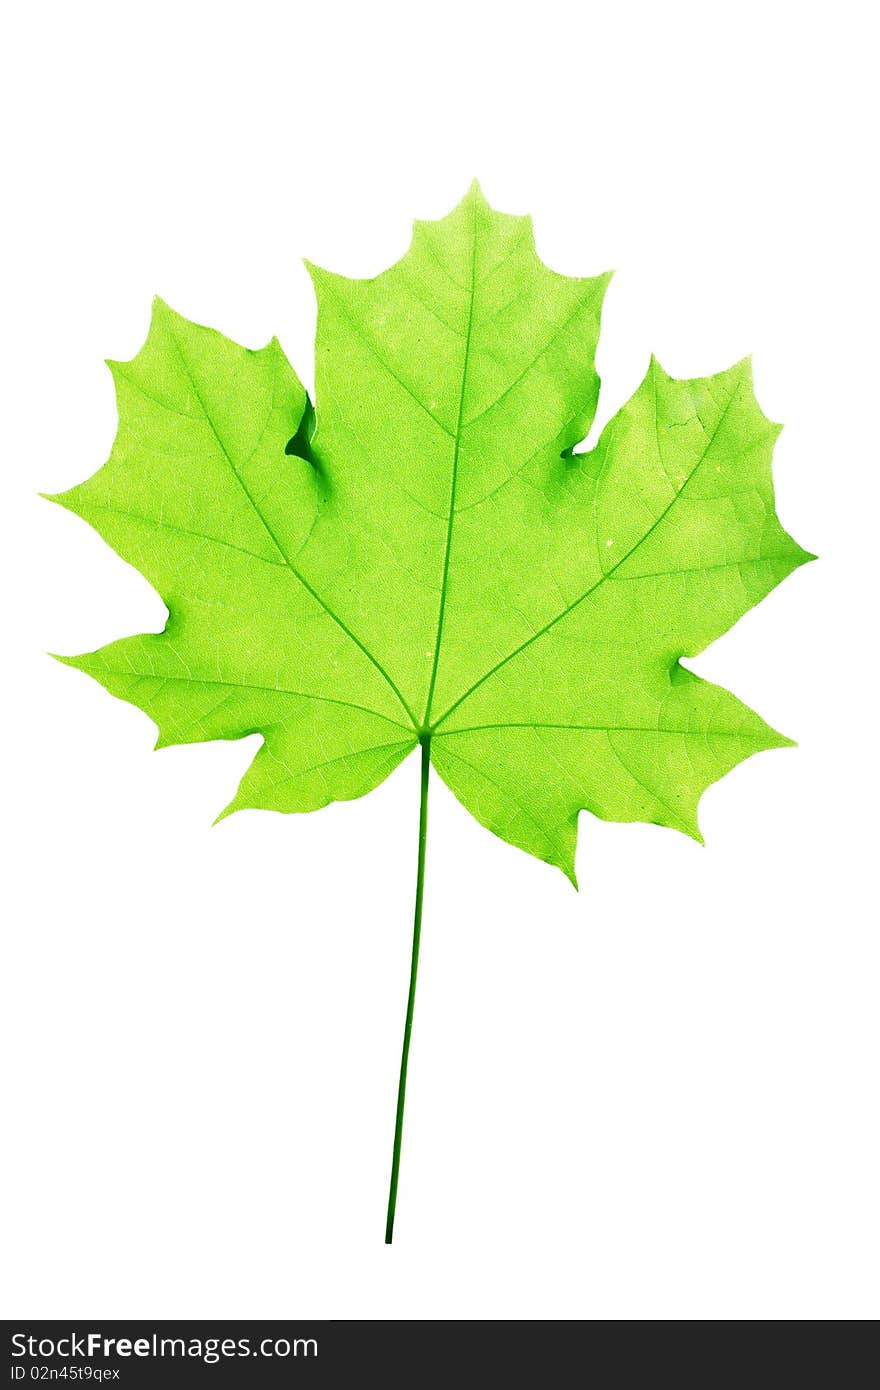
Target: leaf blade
[[425, 555]]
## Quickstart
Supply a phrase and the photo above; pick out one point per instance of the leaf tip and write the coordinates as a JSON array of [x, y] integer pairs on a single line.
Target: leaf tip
[[77, 662], [69, 499], [320, 276], [687, 824], [656, 368], [162, 316], [229, 810], [780, 740]]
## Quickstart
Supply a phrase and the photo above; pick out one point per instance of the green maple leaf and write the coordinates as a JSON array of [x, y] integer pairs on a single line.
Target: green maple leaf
[[433, 563]]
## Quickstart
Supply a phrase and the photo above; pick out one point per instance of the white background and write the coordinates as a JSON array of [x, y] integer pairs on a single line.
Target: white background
[[653, 1099]]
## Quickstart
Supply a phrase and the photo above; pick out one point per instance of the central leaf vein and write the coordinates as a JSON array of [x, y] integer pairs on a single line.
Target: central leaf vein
[[454, 474]]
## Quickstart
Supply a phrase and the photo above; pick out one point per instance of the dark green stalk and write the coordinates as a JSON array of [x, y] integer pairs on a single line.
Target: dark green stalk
[[414, 970]]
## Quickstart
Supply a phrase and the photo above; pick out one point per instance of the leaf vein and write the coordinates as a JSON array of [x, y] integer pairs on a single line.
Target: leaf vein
[[604, 577]]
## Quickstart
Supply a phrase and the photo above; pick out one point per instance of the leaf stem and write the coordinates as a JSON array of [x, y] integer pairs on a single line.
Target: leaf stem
[[425, 741]]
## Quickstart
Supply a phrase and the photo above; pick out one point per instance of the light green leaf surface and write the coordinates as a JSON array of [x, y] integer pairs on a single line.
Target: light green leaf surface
[[434, 563]]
